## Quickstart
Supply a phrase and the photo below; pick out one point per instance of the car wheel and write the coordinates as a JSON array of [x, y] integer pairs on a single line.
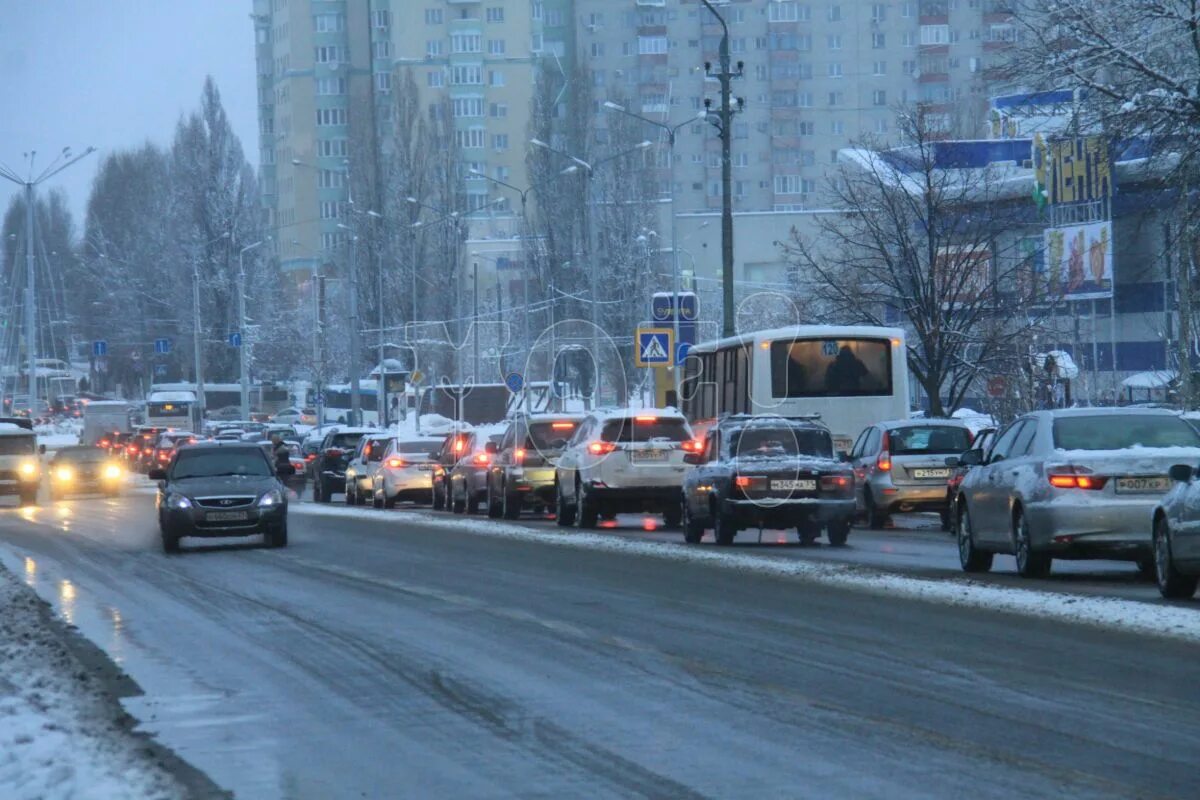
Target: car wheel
[[456, 505], [945, 518], [377, 499], [586, 513], [170, 542], [472, 503], [838, 532], [724, 530], [439, 499], [512, 505], [277, 535], [493, 505], [1171, 584], [693, 529], [323, 495], [808, 533], [1030, 564], [359, 498], [350, 493], [876, 518], [970, 558], [1147, 567], [564, 514], [389, 502]]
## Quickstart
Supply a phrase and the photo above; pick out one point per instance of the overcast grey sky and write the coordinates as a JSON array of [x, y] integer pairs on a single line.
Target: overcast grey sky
[[114, 73]]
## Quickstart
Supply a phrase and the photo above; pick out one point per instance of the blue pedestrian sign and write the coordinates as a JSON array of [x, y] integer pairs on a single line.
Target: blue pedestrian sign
[[235, 339], [515, 382], [654, 347], [100, 347], [162, 346]]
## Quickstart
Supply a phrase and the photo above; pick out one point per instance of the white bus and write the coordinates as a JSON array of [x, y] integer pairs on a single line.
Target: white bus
[[852, 375], [176, 410]]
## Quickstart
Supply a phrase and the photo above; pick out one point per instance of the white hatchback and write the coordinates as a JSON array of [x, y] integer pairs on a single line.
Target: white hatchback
[[623, 461]]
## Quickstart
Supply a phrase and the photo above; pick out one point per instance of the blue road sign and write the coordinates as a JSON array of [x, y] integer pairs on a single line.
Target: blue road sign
[[515, 382], [160, 370], [235, 339], [681, 351], [319, 399], [162, 346], [100, 347], [689, 306], [654, 347]]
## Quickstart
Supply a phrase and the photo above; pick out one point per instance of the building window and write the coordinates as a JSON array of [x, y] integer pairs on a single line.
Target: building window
[[500, 141], [383, 82], [331, 116], [835, 41], [597, 49], [498, 110], [495, 14], [935, 34], [332, 148], [470, 139], [435, 79], [381, 18], [330, 209], [652, 45], [329, 23], [879, 68], [878, 12], [331, 178], [837, 127], [881, 126], [433, 48], [787, 184], [495, 77], [466, 43], [835, 69], [381, 49], [879, 97], [783, 12], [331, 86], [433, 16], [330, 54], [878, 41], [466, 76], [835, 13], [468, 107], [495, 47]]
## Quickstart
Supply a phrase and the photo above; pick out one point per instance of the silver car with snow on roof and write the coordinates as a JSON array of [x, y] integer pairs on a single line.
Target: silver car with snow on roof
[[1069, 483]]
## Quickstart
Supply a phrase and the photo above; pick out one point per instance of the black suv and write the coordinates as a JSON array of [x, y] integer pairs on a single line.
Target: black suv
[[221, 489], [522, 471], [329, 467], [768, 472]]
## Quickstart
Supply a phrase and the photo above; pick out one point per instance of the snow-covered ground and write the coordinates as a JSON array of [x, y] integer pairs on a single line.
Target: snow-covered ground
[[61, 736]]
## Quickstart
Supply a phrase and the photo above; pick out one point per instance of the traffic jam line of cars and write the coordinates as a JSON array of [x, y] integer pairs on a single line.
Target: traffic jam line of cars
[[1111, 483]]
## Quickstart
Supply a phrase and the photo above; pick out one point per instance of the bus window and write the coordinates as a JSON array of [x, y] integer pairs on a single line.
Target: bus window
[[831, 368]]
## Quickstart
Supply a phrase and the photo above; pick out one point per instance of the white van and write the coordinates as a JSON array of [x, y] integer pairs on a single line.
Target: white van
[[20, 463]]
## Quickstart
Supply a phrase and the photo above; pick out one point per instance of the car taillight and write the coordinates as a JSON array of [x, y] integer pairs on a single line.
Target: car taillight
[[693, 446], [750, 482], [519, 455], [395, 463], [645, 419], [884, 462], [164, 456], [333, 452], [601, 448], [1072, 477], [483, 458], [103, 443], [311, 457], [459, 444], [562, 426], [836, 483]]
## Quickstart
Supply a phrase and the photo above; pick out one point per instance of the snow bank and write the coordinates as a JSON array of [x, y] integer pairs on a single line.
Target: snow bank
[[1107, 612], [60, 735]]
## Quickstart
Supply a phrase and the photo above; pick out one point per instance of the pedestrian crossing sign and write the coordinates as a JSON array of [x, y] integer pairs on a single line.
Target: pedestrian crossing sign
[[654, 347]]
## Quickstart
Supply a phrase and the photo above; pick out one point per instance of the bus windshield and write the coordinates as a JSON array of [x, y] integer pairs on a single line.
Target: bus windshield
[[831, 368]]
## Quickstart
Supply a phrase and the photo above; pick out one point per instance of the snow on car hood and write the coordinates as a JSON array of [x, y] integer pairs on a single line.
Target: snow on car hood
[[789, 463]]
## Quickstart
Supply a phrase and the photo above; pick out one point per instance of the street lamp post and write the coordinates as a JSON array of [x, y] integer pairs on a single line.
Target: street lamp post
[[381, 392], [242, 344], [355, 344], [29, 185]]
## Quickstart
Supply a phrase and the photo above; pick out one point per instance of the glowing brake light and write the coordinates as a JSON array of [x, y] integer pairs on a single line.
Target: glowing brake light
[[562, 426], [103, 443], [1070, 477], [645, 419], [519, 455], [601, 448], [884, 462], [459, 444], [750, 482], [333, 452], [483, 458], [693, 446], [835, 483], [395, 463]]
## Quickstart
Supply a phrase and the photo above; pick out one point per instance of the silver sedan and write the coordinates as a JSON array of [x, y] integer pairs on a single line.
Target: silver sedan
[[1177, 534], [1070, 483]]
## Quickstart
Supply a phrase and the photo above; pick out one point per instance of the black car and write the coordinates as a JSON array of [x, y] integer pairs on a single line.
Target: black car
[[768, 472], [454, 447], [217, 489], [82, 469], [329, 467]]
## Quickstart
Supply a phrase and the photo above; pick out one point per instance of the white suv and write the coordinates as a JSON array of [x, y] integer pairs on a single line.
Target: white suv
[[623, 461]]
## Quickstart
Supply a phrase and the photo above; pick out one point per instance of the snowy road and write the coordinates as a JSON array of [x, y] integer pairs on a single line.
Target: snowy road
[[381, 656]]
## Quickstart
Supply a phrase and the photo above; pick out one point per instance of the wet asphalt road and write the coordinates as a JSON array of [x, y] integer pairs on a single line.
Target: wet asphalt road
[[382, 658]]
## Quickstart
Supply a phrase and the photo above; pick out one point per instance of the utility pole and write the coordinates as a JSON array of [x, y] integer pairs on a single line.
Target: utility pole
[[355, 344], [725, 116], [475, 319], [381, 398], [30, 269], [243, 361], [196, 345]]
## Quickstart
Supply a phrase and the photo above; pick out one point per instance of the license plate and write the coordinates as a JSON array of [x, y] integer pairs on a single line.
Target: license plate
[[1155, 485], [226, 516], [648, 455], [931, 473], [794, 486]]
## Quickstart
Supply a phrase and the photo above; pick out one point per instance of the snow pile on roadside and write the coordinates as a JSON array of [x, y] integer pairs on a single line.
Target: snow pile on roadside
[[65, 433], [1107, 612], [60, 736]]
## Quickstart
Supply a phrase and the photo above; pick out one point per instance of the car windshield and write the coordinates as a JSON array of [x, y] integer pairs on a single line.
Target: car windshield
[[928, 440], [345, 441], [213, 463], [636, 429], [16, 445], [1119, 431], [416, 450], [773, 442], [551, 434], [80, 455]]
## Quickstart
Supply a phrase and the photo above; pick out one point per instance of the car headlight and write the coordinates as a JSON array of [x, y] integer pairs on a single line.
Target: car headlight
[[112, 472], [28, 469], [64, 474], [270, 499], [178, 501]]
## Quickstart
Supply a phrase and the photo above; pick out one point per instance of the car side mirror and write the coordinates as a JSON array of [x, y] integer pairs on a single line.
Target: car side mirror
[[157, 474], [285, 470], [693, 458], [492, 448], [41, 449], [971, 458], [1181, 473]]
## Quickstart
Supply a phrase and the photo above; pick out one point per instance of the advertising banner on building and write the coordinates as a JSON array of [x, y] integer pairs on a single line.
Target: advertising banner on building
[[1079, 260], [1078, 170]]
